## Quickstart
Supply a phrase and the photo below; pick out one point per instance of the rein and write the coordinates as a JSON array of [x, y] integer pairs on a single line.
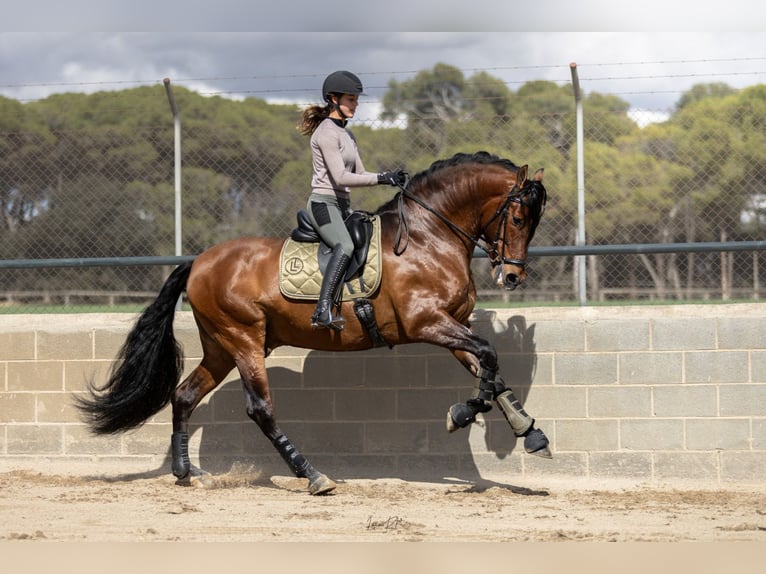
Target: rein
[[492, 254]]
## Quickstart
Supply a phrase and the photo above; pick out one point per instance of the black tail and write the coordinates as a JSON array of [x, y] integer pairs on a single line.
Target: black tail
[[147, 368]]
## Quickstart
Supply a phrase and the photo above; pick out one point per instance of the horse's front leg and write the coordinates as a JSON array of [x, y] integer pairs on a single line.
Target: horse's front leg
[[489, 387]]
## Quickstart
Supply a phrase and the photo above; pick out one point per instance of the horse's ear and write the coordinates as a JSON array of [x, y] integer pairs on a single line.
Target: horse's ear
[[538, 175], [521, 175]]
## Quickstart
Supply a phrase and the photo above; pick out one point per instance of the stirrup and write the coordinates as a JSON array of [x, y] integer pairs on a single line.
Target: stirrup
[[333, 322]]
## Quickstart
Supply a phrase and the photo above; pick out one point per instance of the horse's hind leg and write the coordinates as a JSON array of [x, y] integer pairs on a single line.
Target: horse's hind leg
[[215, 365], [261, 410]]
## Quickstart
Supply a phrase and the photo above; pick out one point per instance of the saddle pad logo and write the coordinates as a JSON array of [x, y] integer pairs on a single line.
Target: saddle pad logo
[[293, 266], [299, 276]]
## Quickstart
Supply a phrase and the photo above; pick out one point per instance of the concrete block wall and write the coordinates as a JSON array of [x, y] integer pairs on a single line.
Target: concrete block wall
[[648, 395]]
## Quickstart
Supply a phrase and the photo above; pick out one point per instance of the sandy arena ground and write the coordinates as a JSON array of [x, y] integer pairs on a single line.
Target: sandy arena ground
[[243, 506]]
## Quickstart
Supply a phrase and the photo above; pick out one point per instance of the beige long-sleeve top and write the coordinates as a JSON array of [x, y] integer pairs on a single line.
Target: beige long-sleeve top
[[336, 161]]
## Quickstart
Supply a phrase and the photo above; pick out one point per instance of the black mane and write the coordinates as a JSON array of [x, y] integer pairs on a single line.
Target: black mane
[[480, 157]]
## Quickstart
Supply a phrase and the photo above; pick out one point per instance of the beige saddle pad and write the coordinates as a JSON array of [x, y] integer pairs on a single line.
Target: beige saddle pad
[[299, 276]]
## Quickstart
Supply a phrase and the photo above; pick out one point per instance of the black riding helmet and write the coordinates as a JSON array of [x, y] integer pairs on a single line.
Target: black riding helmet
[[341, 82]]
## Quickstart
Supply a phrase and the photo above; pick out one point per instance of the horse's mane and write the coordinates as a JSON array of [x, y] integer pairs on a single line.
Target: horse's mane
[[480, 157]]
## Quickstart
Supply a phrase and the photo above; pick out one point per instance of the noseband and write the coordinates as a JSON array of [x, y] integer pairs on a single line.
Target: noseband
[[493, 253]]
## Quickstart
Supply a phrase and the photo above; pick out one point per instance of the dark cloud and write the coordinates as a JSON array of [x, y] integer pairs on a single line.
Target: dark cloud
[[649, 70]]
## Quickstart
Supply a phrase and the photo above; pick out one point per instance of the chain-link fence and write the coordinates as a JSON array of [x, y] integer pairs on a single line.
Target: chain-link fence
[[98, 188]]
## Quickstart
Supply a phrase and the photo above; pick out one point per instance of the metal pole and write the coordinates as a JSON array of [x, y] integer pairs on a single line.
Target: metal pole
[[582, 288], [177, 170], [177, 142]]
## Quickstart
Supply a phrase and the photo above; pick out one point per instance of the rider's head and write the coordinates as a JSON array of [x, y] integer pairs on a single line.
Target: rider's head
[[341, 91]]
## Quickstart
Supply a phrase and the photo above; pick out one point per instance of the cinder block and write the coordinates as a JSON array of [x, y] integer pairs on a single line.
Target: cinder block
[[743, 400], [683, 333], [619, 402], [686, 466], [151, 439], [332, 370], [427, 466], [490, 466], [17, 407], [717, 367], [625, 465], [446, 371], [396, 437], [426, 404], [758, 366], [442, 442], [302, 404], [743, 467], [586, 435], [77, 374], [328, 438], [229, 439], [685, 401], [365, 405], [562, 464], [656, 368], [652, 434], [37, 376], [617, 335], [34, 439], [586, 369], [363, 466], [285, 372], [713, 434], [553, 402], [15, 346], [520, 370], [741, 332], [69, 346], [226, 404], [384, 373], [107, 343], [559, 336], [79, 441], [759, 434], [56, 408]]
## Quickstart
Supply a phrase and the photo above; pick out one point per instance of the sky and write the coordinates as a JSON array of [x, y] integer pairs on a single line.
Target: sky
[[649, 69]]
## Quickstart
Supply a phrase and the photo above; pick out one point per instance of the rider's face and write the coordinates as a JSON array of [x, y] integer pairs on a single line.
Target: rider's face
[[347, 104]]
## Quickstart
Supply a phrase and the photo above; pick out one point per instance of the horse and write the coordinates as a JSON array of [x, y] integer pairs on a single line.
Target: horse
[[428, 232]]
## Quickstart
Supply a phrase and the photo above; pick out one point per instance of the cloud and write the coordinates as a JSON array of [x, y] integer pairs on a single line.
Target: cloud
[[649, 69]]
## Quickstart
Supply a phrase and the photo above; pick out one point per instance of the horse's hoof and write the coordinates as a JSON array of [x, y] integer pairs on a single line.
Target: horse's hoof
[[321, 485], [536, 443], [196, 477]]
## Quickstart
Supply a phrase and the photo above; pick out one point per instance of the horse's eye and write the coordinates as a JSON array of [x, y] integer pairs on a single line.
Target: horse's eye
[[517, 221]]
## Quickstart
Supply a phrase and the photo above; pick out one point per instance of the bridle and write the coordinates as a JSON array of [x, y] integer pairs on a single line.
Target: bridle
[[493, 253]]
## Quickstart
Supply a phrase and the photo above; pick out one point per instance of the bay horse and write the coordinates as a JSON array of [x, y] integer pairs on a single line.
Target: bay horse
[[429, 232]]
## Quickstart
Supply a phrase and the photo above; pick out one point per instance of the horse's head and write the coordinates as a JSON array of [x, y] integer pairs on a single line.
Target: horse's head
[[512, 226]]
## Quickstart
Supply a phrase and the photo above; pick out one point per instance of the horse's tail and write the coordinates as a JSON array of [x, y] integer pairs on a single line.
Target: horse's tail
[[147, 369]]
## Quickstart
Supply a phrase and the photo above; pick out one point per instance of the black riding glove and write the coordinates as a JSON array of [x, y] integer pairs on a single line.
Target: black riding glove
[[396, 178]]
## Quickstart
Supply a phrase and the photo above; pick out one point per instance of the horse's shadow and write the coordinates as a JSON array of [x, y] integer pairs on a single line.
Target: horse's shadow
[[227, 439]]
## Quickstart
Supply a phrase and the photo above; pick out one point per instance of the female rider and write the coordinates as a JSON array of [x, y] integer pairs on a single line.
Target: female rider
[[337, 167]]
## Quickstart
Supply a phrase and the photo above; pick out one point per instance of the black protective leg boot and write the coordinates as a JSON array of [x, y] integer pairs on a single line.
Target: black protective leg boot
[[331, 282]]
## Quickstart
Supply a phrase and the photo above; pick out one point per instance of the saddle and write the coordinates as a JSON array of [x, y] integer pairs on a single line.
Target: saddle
[[359, 225], [305, 257]]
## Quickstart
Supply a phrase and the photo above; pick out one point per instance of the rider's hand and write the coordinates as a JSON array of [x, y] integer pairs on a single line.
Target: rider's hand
[[396, 178]]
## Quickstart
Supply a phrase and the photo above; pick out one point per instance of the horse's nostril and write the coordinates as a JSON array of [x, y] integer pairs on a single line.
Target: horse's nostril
[[511, 281]]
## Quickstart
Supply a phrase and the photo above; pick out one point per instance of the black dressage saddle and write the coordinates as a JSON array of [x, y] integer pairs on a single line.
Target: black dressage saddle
[[359, 225]]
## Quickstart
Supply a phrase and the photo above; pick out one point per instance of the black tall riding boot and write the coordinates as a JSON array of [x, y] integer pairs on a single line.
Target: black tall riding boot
[[332, 280]]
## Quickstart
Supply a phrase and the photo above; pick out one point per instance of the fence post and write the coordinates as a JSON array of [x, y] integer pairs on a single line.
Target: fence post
[[177, 171], [580, 259]]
